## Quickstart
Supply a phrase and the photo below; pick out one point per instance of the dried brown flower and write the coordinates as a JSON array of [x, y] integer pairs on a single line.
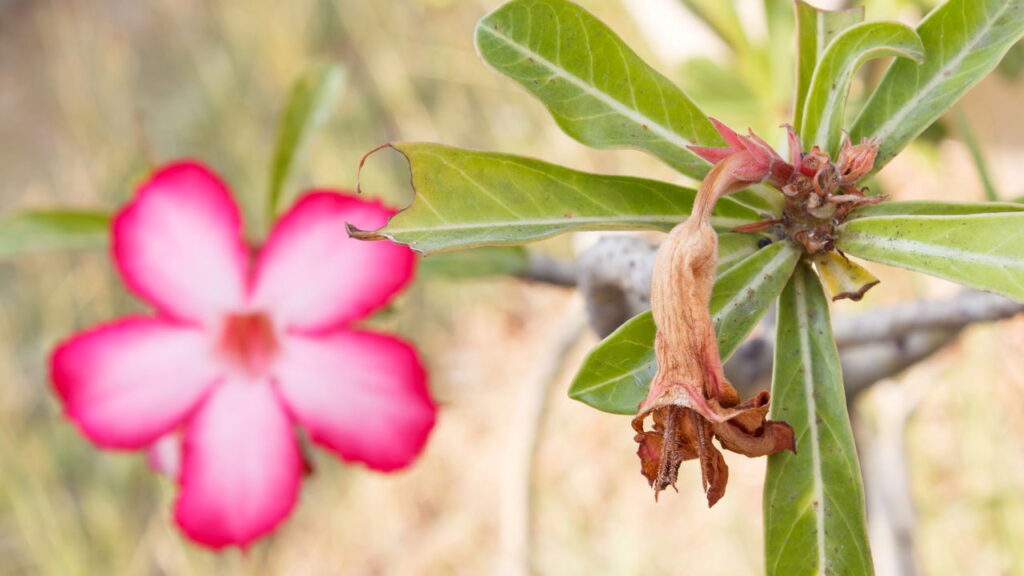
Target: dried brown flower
[[690, 402]]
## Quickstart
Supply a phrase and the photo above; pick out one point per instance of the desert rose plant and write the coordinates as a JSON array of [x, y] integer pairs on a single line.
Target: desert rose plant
[[763, 227]]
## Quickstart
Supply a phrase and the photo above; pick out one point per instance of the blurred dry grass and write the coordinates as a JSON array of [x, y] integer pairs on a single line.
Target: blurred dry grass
[[94, 90]]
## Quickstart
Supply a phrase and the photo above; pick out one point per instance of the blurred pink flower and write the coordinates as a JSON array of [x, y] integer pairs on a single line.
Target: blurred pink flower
[[243, 347]]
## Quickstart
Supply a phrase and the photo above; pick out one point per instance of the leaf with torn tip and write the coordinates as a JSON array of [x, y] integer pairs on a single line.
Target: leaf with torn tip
[[465, 198]]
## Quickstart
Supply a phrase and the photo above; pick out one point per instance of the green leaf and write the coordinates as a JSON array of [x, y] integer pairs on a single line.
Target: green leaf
[[815, 28], [466, 198], [723, 19], [476, 263], [814, 499], [615, 375], [598, 90], [744, 291], [933, 208], [830, 85], [734, 248], [45, 230], [309, 104], [963, 41], [984, 251]]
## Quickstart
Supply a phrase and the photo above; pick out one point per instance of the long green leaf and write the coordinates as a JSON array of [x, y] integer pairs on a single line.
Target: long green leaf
[[984, 251], [830, 85], [466, 198], [815, 28], [963, 40], [45, 230], [309, 103], [814, 499], [598, 90], [933, 208], [615, 375]]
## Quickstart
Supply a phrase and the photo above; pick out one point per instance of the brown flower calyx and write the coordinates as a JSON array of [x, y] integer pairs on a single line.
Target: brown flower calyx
[[819, 192], [690, 402]]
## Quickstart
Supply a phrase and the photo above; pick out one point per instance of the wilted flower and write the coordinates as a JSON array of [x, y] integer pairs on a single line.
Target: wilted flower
[[690, 401], [244, 346]]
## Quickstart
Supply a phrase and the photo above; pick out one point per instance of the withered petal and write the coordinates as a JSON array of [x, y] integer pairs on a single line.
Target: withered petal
[[649, 451], [772, 437], [716, 475]]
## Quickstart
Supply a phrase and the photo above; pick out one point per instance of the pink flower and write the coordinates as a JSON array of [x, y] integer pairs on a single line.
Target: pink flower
[[244, 347]]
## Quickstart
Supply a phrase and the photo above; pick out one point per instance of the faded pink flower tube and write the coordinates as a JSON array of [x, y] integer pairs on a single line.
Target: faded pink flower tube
[[243, 347]]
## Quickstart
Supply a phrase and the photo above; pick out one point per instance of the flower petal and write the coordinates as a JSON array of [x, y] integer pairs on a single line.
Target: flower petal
[[178, 244], [313, 277], [360, 394], [241, 467], [165, 455], [127, 383]]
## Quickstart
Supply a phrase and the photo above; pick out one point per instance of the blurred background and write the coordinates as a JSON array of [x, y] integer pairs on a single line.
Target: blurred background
[[93, 92]]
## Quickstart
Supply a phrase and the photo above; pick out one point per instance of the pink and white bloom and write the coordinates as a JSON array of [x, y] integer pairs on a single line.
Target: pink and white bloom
[[243, 347]]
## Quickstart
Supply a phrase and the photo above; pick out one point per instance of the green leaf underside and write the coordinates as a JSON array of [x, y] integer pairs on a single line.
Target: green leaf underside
[[598, 90], [466, 198], [309, 104], [933, 208], [616, 374], [813, 500], [815, 28], [984, 251], [47, 230], [830, 85], [963, 40], [476, 263]]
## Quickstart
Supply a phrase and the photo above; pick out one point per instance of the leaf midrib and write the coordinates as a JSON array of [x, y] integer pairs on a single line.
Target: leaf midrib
[[939, 77], [604, 383], [605, 98], [673, 219], [916, 247], [812, 425], [772, 265]]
